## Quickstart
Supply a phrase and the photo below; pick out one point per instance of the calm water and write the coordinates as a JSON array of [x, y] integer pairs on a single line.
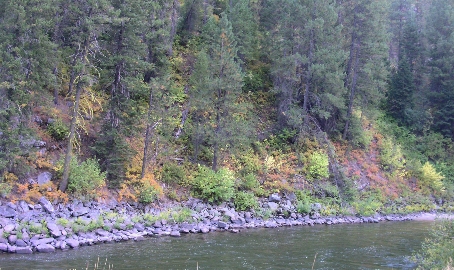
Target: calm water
[[357, 246]]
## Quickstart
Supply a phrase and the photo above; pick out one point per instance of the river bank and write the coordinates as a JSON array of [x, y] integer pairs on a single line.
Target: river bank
[[45, 227]]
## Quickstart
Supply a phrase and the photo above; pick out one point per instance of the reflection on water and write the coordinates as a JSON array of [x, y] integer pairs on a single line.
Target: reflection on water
[[356, 246]]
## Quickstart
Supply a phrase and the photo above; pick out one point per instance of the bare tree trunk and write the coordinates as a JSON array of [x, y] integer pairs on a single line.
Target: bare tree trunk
[[72, 130]]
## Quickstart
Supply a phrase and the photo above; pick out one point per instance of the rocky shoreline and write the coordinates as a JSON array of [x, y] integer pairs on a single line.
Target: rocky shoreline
[[47, 227]]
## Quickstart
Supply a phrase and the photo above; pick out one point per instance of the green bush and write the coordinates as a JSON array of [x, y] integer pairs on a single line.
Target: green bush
[[84, 177], [303, 207], [180, 215], [429, 177], [172, 174], [213, 186], [148, 193], [5, 189], [437, 251], [368, 206], [245, 201], [248, 182], [58, 130], [318, 165]]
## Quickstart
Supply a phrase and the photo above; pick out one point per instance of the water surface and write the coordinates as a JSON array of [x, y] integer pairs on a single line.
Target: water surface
[[386, 245]]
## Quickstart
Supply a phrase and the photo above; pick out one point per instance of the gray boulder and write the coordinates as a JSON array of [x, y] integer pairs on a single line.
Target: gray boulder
[[24, 250], [45, 248], [72, 243], [23, 206], [273, 206], [7, 212], [21, 243], [39, 144], [3, 247], [175, 234], [274, 198], [46, 205], [9, 228], [44, 178]]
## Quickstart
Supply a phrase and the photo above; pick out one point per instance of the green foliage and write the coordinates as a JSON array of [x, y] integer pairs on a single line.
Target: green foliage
[[84, 177], [429, 177], [282, 141], [437, 250], [58, 130], [245, 201], [391, 157], [172, 173], [180, 215], [148, 193], [214, 186], [367, 206], [318, 166], [63, 222], [5, 189]]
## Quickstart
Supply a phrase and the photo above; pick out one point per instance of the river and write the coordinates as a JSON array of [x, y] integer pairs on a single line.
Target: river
[[386, 245]]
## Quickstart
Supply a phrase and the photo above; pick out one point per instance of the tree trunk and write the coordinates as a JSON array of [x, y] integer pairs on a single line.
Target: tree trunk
[[147, 136], [64, 182], [352, 90], [308, 79]]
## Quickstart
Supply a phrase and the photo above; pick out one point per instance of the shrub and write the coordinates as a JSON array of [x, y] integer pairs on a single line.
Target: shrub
[[58, 130], [248, 182], [83, 178], [172, 173], [436, 251], [245, 200], [367, 207], [213, 186], [182, 215], [303, 207], [429, 177], [148, 193], [318, 165]]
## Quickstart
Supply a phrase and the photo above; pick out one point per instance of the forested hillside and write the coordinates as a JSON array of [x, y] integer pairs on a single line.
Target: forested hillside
[[349, 103]]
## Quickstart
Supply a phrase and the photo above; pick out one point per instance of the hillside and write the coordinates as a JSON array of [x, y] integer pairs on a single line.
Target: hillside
[[342, 103]]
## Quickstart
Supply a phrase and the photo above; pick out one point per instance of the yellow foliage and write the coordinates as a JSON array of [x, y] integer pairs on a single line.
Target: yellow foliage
[[10, 178], [42, 163], [31, 193], [429, 177]]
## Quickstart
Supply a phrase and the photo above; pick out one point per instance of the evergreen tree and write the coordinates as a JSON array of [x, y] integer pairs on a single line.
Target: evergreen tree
[[124, 67], [218, 116], [24, 73], [366, 67], [400, 93], [84, 25], [307, 62], [440, 36]]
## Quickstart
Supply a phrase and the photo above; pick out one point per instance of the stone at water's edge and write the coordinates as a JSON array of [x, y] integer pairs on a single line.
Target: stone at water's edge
[[24, 250], [72, 243], [45, 248]]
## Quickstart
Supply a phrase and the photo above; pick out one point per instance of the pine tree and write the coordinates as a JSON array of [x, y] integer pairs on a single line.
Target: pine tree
[[366, 67], [400, 93], [440, 35], [219, 117], [307, 62], [124, 67], [88, 17]]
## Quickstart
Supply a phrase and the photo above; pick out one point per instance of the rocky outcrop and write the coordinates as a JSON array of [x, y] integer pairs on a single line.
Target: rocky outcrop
[[44, 227]]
